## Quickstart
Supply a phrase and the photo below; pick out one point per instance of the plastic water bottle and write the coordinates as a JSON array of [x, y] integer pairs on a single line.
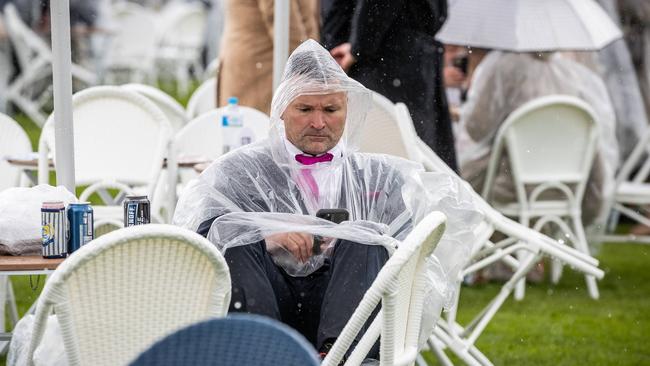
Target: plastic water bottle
[[232, 122]]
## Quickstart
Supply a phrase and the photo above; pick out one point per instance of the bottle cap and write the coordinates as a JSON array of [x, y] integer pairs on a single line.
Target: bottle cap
[[233, 100]]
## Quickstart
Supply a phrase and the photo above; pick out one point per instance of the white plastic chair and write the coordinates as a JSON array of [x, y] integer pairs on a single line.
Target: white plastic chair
[[131, 47], [400, 289], [35, 60], [212, 70], [181, 36], [386, 133], [551, 144], [202, 138], [121, 139], [632, 192], [120, 293], [169, 106], [203, 99], [13, 142]]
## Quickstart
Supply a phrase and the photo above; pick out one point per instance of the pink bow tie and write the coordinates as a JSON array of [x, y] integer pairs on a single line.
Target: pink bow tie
[[310, 160]]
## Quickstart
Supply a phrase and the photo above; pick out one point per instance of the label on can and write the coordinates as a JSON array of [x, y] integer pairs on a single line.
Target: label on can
[[81, 225], [136, 211], [53, 230]]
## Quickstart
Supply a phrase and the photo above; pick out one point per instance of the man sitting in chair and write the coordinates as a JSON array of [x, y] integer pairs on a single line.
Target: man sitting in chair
[[258, 204]]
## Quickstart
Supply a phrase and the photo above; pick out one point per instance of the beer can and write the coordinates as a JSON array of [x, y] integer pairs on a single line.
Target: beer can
[[80, 225], [137, 210], [53, 230]]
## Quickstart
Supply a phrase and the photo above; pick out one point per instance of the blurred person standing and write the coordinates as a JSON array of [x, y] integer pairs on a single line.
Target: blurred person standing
[[455, 76], [635, 22], [246, 50], [389, 47], [504, 81], [615, 65]]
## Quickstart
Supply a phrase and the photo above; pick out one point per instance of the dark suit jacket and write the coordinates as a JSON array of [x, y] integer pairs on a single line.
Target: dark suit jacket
[[398, 57]]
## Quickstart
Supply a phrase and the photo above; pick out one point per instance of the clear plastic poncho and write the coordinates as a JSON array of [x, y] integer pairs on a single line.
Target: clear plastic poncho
[[624, 87], [503, 82], [635, 21], [259, 189]]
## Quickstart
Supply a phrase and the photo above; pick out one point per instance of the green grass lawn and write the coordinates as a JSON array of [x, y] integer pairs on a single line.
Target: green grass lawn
[[561, 325], [553, 325]]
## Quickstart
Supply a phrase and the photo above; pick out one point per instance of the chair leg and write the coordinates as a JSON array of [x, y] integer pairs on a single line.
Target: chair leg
[[520, 287], [438, 351], [13, 308], [556, 271], [4, 300], [581, 245]]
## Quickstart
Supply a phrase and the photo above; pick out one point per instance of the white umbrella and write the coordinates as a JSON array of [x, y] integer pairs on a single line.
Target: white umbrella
[[62, 88], [528, 25]]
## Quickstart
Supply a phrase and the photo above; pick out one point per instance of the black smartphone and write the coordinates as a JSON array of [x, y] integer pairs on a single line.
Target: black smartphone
[[335, 215]]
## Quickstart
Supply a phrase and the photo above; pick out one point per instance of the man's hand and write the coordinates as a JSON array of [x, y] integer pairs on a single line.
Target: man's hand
[[298, 244], [343, 56]]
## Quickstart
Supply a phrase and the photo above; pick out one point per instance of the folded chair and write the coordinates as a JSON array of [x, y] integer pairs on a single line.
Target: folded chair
[[632, 193], [35, 60], [124, 291]]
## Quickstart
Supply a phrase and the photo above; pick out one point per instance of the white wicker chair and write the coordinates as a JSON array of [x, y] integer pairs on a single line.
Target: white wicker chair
[[13, 142], [386, 132], [461, 340], [203, 99], [539, 166], [400, 288], [131, 48], [181, 36], [212, 70], [35, 60], [122, 292], [120, 137], [174, 112]]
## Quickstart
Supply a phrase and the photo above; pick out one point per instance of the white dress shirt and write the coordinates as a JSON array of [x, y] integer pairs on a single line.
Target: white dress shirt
[[327, 176]]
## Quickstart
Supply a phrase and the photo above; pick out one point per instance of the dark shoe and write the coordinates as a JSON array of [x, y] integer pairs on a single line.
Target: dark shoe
[[326, 347]]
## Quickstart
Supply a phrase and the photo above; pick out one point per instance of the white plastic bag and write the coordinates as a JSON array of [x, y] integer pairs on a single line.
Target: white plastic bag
[[20, 217]]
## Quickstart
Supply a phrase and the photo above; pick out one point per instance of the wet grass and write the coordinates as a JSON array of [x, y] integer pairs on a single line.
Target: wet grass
[[561, 325]]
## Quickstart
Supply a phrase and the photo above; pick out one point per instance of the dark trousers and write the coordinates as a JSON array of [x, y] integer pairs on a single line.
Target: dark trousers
[[318, 305]]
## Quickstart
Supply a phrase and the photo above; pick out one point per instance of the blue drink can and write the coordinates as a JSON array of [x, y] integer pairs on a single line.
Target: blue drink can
[[53, 230], [80, 225]]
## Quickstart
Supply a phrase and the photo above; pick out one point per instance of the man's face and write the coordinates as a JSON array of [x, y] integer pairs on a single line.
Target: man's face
[[315, 123]]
